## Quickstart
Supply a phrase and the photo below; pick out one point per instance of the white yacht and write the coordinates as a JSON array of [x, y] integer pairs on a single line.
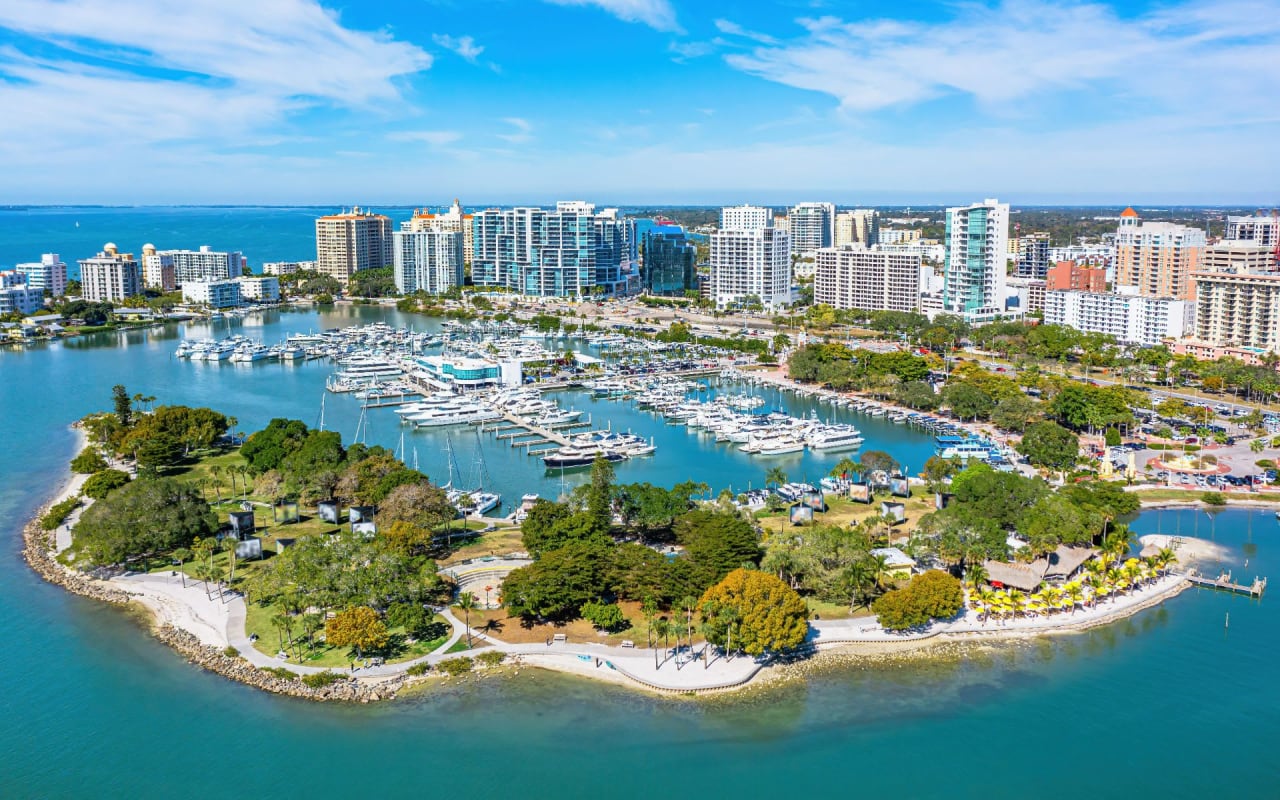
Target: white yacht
[[834, 437]]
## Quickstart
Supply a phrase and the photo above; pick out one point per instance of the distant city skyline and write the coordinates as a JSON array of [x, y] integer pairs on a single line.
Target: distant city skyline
[[632, 102]]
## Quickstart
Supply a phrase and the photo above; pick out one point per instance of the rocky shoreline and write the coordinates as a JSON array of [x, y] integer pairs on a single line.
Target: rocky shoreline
[[37, 551]]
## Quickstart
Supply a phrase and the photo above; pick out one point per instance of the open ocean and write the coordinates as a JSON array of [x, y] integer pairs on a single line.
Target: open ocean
[[1170, 703]]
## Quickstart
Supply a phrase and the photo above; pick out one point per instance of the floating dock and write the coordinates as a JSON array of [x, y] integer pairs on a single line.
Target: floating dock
[[1226, 584]]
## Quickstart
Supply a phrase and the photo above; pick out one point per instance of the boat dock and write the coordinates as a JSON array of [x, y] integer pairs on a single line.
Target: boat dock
[[1225, 583], [520, 432]]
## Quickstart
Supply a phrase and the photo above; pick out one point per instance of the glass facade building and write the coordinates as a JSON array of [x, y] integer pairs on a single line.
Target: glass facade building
[[669, 261]]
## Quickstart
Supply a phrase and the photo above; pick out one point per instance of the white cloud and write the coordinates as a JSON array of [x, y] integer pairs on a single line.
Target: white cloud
[[734, 29], [1178, 57], [657, 14], [523, 131], [434, 138], [464, 46]]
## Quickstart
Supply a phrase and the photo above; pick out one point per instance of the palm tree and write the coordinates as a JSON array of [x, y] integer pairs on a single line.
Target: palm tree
[[845, 466], [1016, 600], [182, 555], [1050, 595], [215, 472], [775, 476], [206, 573], [466, 602], [1074, 591], [976, 575], [229, 544], [282, 623], [661, 627], [987, 598], [689, 603]]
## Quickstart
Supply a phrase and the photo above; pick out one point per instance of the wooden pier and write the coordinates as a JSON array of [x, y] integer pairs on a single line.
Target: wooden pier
[[1225, 583]]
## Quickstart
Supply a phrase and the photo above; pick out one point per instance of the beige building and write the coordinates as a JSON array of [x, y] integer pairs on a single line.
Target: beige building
[[1238, 256], [1157, 258], [158, 271], [110, 276], [870, 280], [859, 226], [1238, 310], [352, 241], [451, 220]]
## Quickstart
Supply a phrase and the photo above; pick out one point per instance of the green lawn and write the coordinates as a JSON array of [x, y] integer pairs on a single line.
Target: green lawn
[[258, 620]]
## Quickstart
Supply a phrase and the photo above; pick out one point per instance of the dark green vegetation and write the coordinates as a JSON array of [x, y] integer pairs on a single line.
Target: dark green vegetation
[[930, 595], [987, 506]]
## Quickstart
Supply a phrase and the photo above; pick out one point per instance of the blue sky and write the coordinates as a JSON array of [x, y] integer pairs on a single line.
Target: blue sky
[[638, 101]]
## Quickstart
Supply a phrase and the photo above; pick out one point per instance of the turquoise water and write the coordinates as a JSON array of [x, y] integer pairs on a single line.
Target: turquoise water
[[1168, 703]]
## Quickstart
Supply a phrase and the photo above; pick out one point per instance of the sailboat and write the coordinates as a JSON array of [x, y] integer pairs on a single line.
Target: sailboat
[[473, 502]]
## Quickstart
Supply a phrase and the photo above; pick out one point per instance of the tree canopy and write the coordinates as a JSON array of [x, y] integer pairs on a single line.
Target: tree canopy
[[146, 516], [759, 612]]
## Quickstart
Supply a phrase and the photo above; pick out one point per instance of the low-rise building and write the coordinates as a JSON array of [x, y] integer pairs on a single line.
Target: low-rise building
[[259, 288], [1029, 292], [1208, 351], [1238, 309], [472, 373], [1069, 275], [20, 299], [1130, 318], [213, 294], [287, 267]]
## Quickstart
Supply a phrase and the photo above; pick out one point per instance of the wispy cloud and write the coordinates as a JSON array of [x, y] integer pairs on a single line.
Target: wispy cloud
[[734, 29], [523, 130], [1178, 56], [657, 14], [217, 71], [464, 46], [434, 138]]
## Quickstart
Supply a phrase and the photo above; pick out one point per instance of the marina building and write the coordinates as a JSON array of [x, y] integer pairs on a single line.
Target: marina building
[[472, 373], [1066, 275], [452, 220], [213, 294], [259, 288], [750, 259], [201, 265], [870, 280], [975, 259], [811, 225], [670, 261], [352, 241], [110, 276], [1131, 318], [1238, 309], [572, 251], [859, 226], [49, 274], [428, 259], [1259, 229], [1157, 258]]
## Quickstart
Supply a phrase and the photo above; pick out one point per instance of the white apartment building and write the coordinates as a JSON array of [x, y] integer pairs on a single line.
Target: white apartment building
[[750, 259], [811, 225], [20, 298], [157, 269], [452, 220], [869, 280], [975, 259], [259, 288], [214, 294], [429, 259], [279, 268], [202, 265], [110, 276], [1259, 229], [1131, 318], [859, 226], [47, 275], [352, 241], [1238, 309]]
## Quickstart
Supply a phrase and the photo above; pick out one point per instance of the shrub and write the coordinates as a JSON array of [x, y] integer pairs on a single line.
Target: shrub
[[58, 513], [317, 680], [1113, 437], [231, 652], [280, 672], [491, 658], [88, 462], [103, 483], [421, 668], [1265, 463], [1213, 499], [1210, 459], [605, 616], [456, 666]]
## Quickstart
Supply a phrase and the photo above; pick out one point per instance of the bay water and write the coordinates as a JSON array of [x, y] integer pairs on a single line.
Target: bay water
[[1172, 702]]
